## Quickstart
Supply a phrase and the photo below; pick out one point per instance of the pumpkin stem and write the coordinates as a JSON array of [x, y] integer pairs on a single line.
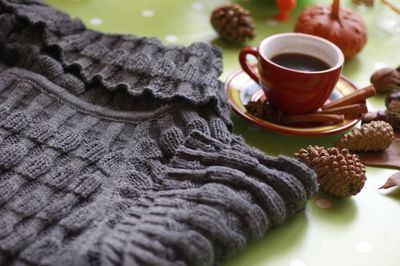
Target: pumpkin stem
[[335, 8]]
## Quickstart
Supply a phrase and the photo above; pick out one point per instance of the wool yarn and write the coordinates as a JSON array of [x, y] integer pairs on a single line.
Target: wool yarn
[[118, 150]]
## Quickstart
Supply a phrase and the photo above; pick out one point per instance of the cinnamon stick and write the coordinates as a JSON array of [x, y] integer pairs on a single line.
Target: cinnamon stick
[[355, 97], [314, 117], [349, 111]]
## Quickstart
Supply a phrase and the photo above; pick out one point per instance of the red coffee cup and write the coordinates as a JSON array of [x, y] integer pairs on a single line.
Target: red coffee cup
[[292, 90]]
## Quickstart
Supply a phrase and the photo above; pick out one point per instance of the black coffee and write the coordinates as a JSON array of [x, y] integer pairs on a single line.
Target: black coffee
[[301, 62]]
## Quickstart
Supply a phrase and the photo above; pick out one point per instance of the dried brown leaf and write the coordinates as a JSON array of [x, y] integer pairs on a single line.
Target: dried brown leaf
[[393, 180], [390, 157]]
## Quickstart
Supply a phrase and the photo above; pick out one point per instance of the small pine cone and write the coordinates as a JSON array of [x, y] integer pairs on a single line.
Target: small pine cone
[[265, 111], [233, 23], [374, 136], [339, 173]]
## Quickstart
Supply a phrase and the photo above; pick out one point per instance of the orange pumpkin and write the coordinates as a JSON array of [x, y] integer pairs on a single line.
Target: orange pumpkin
[[340, 25]]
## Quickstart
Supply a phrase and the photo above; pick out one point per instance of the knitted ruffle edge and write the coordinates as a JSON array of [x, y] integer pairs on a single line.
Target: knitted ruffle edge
[[139, 65], [216, 207]]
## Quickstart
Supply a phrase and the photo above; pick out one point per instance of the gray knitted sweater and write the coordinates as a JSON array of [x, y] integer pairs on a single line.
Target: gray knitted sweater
[[117, 150]]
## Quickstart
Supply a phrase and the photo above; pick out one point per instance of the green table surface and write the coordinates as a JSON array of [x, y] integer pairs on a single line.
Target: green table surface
[[360, 230]]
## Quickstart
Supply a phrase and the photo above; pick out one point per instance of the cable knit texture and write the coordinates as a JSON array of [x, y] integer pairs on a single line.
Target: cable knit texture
[[117, 150]]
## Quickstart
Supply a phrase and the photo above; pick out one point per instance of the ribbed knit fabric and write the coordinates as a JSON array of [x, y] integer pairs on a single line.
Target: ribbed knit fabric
[[117, 150]]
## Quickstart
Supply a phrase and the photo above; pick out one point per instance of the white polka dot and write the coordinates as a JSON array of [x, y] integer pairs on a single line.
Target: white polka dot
[[96, 21], [147, 13], [272, 22], [297, 262], [198, 6], [171, 38], [362, 8], [324, 203], [253, 128], [364, 246], [379, 65]]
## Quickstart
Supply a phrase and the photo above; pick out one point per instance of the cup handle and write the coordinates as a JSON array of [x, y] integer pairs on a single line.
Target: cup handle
[[245, 64]]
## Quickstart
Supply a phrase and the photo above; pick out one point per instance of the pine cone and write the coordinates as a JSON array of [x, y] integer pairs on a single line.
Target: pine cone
[[339, 172], [374, 136], [265, 111], [233, 23]]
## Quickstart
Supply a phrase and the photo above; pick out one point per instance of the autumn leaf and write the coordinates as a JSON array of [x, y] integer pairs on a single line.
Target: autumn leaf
[[393, 180]]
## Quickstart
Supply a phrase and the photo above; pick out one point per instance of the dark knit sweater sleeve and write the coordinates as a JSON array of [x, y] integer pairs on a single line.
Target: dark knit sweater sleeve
[[118, 150]]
